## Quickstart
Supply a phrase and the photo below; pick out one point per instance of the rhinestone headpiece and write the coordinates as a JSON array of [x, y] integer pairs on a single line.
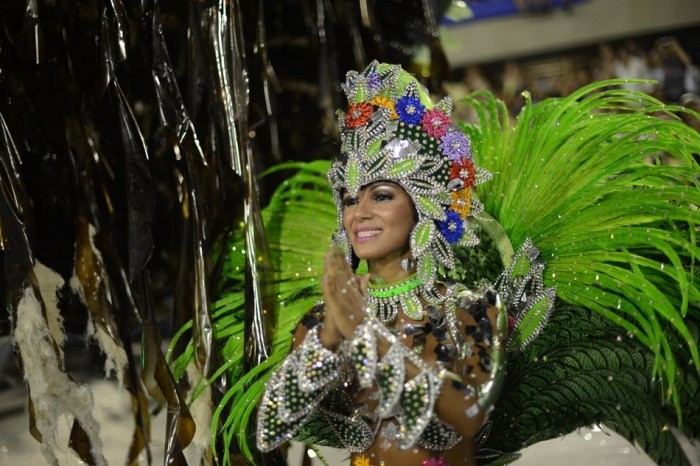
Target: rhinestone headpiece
[[393, 132]]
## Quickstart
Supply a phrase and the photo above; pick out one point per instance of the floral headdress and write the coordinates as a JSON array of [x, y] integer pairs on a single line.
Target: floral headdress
[[393, 132]]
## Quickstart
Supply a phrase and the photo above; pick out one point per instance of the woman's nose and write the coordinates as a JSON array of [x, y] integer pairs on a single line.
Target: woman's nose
[[363, 209]]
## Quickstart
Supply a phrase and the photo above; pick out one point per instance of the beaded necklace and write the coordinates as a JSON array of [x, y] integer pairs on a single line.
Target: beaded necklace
[[385, 299]]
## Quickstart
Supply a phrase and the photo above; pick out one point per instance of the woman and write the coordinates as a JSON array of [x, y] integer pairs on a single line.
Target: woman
[[395, 366]]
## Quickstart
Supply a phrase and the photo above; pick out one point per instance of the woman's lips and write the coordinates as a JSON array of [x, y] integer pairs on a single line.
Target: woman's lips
[[366, 235]]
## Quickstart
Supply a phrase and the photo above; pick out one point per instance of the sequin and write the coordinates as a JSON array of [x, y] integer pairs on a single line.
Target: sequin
[[461, 202], [358, 115], [287, 403], [455, 145]]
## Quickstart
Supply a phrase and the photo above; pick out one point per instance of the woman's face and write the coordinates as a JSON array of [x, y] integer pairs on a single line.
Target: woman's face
[[379, 221]]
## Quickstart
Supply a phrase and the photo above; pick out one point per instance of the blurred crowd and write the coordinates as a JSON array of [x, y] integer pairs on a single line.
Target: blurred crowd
[[676, 78]]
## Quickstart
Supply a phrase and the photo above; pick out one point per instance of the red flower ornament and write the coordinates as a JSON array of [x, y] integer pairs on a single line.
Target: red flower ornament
[[464, 170], [358, 115]]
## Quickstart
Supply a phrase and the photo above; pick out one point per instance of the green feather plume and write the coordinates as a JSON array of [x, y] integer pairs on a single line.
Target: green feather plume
[[299, 222], [617, 233], [581, 371]]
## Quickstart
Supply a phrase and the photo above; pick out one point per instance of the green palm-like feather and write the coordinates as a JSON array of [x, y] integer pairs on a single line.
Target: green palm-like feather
[[618, 238], [299, 222], [581, 371], [617, 234]]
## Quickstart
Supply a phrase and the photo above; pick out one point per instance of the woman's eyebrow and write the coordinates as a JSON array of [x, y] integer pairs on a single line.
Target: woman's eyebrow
[[382, 184]]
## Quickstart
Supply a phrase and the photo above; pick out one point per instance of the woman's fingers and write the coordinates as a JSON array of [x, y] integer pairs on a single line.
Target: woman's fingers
[[342, 290], [337, 271], [363, 283], [333, 282]]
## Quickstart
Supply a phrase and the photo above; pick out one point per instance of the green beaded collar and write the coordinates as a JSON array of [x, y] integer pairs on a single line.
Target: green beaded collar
[[385, 300]]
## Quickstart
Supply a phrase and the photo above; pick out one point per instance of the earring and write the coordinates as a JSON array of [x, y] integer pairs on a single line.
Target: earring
[[406, 264]]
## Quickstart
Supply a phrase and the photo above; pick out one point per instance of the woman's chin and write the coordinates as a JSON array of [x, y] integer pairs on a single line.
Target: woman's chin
[[366, 255]]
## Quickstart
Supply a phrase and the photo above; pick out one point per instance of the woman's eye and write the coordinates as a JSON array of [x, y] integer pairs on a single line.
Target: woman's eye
[[349, 201], [382, 197]]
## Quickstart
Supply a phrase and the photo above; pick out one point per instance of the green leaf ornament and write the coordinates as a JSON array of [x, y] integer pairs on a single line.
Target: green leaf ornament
[[430, 207], [412, 307], [403, 168], [521, 267], [421, 235], [443, 251], [375, 166], [373, 150], [427, 268], [422, 184], [352, 175], [532, 322]]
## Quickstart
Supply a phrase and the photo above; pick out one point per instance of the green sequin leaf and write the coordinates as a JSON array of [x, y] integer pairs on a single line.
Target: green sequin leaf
[[352, 175], [403, 168], [412, 307], [443, 252], [375, 166], [532, 321], [361, 95], [521, 267], [421, 235], [373, 150], [422, 184], [427, 268], [429, 207]]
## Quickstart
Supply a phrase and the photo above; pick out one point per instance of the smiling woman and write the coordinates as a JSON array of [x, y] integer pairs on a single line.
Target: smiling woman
[[393, 365]]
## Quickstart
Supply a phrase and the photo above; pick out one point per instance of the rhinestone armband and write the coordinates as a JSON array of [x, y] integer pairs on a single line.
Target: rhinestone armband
[[295, 390], [361, 351], [317, 366]]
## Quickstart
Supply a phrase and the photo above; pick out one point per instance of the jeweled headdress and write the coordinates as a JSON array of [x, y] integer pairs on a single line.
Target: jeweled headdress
[[392, 131]]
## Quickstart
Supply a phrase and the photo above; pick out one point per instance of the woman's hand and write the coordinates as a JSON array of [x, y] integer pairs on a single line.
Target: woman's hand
[[344, 295]]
